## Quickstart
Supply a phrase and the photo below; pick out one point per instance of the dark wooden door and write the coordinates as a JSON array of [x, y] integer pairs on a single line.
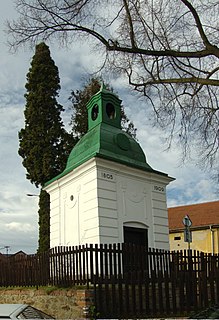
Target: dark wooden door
[[136, 236], [135, 257]]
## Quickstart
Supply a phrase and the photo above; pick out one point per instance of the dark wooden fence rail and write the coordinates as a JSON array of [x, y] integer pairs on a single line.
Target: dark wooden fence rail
[[80, 265], [127, 279]]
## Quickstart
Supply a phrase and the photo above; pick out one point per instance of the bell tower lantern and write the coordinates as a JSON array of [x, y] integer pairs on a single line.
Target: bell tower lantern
[[104, 107]]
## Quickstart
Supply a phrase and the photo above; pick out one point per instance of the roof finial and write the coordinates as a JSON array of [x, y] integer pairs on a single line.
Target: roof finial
[[103, 86]]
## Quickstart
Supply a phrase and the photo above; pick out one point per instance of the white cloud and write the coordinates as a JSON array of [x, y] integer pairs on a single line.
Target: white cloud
[[20, 227]]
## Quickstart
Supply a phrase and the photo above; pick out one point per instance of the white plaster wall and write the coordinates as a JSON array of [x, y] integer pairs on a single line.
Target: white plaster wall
[[159, 213], [74, 208], [107, 201], [131, 197], [95, 201], [54, 217], [134, 203]]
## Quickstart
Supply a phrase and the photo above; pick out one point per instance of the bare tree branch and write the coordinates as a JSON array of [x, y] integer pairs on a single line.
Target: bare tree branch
[[168, 50]]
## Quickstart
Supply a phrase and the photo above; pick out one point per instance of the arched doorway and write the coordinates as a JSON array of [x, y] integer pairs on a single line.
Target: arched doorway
[[138, 236]]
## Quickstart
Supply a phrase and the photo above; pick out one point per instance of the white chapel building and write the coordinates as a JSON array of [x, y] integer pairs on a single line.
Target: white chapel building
[[108, 193]]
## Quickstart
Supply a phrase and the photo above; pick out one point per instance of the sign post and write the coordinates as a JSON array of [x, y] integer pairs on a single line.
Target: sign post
[[187, 232]]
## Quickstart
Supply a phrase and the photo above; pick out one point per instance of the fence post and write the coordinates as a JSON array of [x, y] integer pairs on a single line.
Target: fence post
[[203, 289]]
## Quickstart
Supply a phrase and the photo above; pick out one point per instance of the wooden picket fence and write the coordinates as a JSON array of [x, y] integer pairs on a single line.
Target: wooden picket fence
[[128, 281], [173, 284]]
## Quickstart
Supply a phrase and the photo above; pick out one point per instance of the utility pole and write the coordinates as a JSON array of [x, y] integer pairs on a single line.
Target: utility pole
[[6, 248]]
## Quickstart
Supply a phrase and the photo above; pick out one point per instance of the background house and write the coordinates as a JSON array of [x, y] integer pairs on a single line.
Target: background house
[[205, 227], [17, 255]]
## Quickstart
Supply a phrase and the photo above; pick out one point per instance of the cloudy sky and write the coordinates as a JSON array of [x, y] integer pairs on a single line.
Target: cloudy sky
[[18, 212]]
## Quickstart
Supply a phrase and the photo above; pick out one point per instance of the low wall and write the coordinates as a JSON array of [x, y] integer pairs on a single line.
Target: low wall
[[59, 303]]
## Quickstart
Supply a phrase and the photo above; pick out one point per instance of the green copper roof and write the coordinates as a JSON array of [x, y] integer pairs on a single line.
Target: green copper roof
[[104, 138]]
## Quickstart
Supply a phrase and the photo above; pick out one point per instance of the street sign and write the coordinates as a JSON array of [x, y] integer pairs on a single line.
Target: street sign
[[187, 235], [186, 221]]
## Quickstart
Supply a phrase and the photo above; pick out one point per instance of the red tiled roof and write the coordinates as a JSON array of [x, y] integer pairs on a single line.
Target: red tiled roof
[[202, 214]]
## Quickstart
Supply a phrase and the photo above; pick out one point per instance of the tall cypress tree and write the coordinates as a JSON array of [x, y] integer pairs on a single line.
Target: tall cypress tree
[[43, 143], [80, 98]]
